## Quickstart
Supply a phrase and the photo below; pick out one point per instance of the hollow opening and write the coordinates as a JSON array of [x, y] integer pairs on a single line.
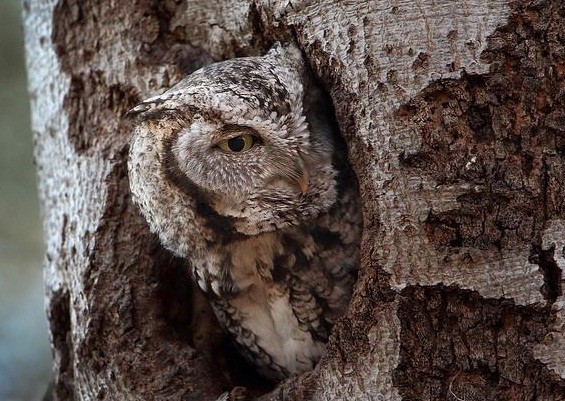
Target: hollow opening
[[310, 265]]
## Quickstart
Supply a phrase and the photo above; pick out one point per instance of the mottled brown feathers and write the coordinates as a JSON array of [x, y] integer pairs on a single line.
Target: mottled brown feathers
[[271, 234]]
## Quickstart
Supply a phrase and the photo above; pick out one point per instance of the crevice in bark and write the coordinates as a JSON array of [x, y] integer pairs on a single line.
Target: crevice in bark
[[262, 38], [267, 28], [552, 287], [174, 290], [60, 327]]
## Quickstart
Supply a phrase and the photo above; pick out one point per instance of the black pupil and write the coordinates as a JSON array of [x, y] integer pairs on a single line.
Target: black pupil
[[236, 144]]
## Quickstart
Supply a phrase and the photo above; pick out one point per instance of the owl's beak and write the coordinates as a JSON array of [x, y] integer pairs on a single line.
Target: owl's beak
[[302, 178]]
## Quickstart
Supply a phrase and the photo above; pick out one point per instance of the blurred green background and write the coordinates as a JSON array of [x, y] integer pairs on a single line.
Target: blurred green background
[[25, 358]]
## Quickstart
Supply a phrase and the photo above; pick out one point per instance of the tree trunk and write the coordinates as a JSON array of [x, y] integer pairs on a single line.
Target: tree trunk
[[454, 112]]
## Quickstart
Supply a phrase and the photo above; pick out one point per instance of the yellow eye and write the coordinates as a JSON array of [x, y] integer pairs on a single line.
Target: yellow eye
[[237, 144]]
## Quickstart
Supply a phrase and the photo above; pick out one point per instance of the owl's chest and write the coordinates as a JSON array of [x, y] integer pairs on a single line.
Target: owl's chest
[[263, 322], [242, 267], [257, 309]]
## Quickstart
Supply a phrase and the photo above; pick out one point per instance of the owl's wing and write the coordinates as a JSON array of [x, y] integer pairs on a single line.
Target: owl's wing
[[319, 271], [248, 344]]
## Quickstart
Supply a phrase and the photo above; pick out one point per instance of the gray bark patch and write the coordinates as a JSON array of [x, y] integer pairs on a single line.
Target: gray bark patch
[[95, 110]]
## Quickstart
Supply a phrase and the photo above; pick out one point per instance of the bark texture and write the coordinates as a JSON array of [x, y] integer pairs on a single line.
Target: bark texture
[[454, 112]]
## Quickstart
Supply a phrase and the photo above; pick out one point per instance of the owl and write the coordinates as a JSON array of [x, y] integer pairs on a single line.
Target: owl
[[239, 169]]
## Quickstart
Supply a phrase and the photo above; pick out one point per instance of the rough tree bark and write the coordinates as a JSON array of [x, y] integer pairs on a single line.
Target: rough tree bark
[[454, 112]]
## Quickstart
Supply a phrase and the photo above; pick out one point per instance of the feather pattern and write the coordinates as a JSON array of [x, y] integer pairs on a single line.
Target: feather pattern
[[271, 234]]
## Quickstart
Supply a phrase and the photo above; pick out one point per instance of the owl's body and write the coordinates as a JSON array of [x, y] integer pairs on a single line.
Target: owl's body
[[238, 170]]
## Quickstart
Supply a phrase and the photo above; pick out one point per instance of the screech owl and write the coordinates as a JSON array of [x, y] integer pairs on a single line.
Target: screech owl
[[239, 170]]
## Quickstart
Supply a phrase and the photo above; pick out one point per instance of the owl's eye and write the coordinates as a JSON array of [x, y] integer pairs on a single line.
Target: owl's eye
[[237, 144]]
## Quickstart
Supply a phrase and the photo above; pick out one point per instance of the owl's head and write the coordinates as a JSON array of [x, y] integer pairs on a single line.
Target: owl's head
[[243, 140]]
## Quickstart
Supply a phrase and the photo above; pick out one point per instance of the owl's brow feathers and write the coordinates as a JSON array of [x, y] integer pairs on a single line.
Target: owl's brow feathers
[[269, 96], [156, 110], [248, 83]]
